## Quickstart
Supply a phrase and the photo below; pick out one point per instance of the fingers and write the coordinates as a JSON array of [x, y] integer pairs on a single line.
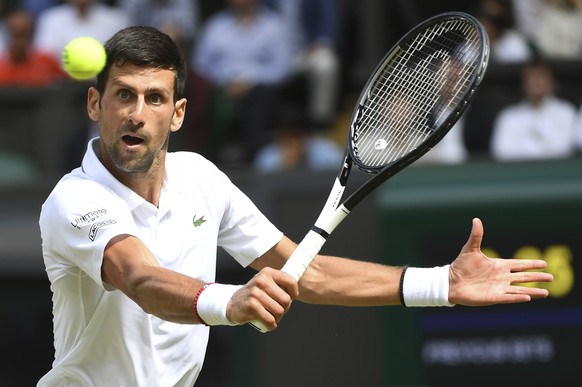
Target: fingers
[[520, 294], [516, 294], [269, 295], [527, 264], [531, 276]]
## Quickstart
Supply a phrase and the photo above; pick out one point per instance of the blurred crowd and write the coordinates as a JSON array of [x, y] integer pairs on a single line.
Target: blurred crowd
[[270, 82]]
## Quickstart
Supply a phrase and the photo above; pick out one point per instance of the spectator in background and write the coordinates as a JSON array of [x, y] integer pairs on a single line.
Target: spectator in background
[[3, 28], [527, 15], [450, 150], [177, 18], [36, 7], [508, 45], [58, 25], [553, 27], [311, 27], [559, 30], [244, 53], [295, 146], [20, 63], [579, 131], [541, 126]]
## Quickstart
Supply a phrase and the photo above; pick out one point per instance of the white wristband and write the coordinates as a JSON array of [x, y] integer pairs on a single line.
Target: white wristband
[[426, 286], [212, 301]]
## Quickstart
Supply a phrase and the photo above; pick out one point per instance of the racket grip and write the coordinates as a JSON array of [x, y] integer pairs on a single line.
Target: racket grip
[[303, 255], [297, 263]]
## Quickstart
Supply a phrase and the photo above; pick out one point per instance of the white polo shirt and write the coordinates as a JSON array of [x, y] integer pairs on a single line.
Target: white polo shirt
[[103, 338]]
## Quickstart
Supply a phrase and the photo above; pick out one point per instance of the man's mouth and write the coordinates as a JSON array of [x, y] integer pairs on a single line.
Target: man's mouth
[[131, 140]]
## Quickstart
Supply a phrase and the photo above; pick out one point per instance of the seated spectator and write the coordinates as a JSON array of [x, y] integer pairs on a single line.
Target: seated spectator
[[527, 15], [243, 53], [20, 63], [36, 7], [579, 131], [56, 26], [450, 150], [177, 18], [508, 45], [311, 27], [559, 29], [295, 146], [541, 126], [3, 28]]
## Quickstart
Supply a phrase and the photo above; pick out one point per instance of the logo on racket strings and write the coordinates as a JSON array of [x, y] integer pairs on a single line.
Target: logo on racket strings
[[380, 144]]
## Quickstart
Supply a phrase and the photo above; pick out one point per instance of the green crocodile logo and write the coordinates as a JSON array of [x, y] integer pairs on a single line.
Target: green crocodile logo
[[198, 222]]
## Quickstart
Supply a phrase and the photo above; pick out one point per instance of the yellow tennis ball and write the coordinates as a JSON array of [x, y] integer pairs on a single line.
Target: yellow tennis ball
[[84, 58]]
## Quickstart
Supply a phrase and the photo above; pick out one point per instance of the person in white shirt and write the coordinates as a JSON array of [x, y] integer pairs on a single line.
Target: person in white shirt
[[296, 144], [508, 44], [244, 54], [312, 28], [450, 150], [579, 131], [129, 243], [539, 127], [177, 18], [58, 25]]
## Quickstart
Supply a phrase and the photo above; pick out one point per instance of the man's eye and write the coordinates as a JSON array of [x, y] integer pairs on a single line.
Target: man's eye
[[156, 99], [124, 94]]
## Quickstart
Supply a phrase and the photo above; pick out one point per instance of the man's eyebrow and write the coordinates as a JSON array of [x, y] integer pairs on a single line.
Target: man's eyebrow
[[149, 90]]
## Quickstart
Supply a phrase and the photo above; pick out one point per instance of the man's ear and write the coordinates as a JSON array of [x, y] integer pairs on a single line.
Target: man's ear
[[93, 109], [179, 114]]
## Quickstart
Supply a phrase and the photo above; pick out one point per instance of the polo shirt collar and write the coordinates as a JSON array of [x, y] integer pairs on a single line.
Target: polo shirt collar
[[93, 168]]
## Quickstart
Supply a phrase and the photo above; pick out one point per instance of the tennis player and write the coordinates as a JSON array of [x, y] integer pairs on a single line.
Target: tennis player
[[130, 237]]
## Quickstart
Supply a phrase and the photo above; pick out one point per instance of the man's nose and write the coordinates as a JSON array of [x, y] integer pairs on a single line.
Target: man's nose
[[137, 110]]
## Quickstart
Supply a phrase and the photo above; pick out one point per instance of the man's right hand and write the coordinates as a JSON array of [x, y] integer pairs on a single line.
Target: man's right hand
[[265, 298]]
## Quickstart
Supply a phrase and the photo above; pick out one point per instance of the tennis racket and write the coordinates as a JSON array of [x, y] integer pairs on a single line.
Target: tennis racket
[[412, 99]]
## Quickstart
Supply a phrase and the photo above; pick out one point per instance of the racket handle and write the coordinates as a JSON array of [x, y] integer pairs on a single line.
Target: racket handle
[[303, 255], [297, 263]]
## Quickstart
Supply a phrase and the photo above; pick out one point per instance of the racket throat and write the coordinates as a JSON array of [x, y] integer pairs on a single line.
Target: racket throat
[[320, 231], [329, 220]]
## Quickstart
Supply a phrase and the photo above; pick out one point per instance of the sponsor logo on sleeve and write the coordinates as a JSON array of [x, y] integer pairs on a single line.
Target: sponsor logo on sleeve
[[96, 226], [88, 218]]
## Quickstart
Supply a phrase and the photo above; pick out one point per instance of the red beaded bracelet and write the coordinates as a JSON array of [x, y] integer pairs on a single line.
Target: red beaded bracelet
[[196, 304]]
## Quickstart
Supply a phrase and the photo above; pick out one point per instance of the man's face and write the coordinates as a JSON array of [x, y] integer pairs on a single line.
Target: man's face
[[136, 114], [537, 83]]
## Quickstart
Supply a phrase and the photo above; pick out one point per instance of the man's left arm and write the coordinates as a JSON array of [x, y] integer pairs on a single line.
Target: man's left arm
[[472, 279]]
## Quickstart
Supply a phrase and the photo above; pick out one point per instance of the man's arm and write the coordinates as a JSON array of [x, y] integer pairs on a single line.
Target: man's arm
[[473, 278], [339, 281], [129, 266]]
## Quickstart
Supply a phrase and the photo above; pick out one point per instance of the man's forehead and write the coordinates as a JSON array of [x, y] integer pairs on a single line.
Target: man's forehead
[[140, 77]]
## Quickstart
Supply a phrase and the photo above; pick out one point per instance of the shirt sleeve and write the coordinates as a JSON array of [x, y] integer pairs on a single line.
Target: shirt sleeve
[[245, 232], [76, 222]]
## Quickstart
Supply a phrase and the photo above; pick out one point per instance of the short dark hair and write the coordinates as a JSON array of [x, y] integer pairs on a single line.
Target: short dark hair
[[144, 47]]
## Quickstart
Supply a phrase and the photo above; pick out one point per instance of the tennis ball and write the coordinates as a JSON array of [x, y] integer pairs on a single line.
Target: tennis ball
[[84, 58]]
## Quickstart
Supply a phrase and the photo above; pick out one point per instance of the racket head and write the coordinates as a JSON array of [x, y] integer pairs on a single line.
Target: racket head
[[417, 92]]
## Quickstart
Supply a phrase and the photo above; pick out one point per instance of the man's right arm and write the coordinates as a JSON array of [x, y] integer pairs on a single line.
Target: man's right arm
[[128, 265]]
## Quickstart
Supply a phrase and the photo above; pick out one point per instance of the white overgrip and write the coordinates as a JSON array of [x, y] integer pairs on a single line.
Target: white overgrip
[[303, 255], [313, 241], [297, 263]]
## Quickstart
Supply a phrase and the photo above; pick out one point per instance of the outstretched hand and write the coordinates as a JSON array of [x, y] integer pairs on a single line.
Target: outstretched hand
[[477, 280]]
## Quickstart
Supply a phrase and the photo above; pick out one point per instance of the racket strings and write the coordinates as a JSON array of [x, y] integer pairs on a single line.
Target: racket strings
[[416, 91]]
